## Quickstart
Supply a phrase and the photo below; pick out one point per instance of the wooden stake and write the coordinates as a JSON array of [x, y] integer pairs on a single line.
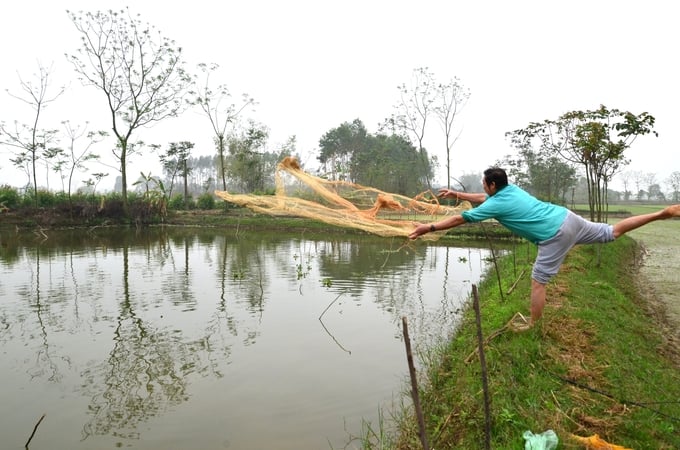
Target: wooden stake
[[482, 363], [414, 387]]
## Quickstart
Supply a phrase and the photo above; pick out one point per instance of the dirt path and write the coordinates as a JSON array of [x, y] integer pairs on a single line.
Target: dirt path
[[660, 272]]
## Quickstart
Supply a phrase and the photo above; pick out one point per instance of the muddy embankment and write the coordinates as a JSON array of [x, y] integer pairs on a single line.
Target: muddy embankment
[[660, 272]]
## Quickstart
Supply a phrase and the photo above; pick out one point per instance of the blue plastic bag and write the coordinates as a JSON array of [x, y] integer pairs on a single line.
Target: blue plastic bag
[[544, 441]]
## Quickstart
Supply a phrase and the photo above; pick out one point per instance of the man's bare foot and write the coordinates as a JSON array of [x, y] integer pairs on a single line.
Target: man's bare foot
[[673, 210], [520, 323]]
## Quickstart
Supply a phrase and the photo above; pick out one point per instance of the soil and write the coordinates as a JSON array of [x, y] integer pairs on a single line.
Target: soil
[[659, 276]]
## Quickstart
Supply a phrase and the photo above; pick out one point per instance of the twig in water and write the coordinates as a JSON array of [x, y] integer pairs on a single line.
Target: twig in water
[[324, 326], [330, 304], [35, 428]]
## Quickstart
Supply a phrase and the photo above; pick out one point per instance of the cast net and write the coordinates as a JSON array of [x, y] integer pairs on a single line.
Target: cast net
[[345, 204]]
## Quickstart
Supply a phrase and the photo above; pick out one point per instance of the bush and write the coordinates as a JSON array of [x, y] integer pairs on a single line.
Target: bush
[[177, 203], [9, 197], [206, 201]]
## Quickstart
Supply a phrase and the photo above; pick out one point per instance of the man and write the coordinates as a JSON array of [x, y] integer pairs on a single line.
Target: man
[[555, 229]]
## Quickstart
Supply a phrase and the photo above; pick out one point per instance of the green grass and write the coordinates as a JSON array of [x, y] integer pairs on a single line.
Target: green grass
[[595, 364]]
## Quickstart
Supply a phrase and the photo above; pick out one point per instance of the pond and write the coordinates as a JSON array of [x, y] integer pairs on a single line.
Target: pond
[[212, 339]]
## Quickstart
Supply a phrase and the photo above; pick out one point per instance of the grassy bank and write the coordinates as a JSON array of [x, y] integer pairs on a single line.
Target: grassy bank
[[596, 364]]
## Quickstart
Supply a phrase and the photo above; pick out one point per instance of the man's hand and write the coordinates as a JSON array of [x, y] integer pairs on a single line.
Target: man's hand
[[447, 193], [419, 230]]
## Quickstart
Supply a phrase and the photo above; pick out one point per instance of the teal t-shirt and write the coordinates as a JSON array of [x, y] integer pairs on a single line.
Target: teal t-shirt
[[521, 213]]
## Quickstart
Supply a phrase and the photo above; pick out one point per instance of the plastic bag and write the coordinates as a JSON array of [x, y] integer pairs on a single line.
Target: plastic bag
[[544, 441]]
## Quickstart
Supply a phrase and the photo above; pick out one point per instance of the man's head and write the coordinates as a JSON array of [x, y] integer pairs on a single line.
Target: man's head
[[494, 180]]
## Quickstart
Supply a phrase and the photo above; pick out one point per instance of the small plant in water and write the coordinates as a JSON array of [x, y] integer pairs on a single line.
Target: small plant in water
[[462, 259], [327, 282], [238, 274]]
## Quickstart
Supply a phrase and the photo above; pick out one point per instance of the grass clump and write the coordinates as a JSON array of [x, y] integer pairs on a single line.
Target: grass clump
[[597, 363]]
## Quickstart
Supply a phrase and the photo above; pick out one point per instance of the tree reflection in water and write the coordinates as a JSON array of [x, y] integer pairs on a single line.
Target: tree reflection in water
[[138, 327]]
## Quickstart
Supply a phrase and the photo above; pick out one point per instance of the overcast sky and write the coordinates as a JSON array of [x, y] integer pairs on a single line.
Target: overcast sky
[[312, 65]]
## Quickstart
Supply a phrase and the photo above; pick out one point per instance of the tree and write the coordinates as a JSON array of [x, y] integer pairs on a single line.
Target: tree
[[220, 114], [246, 164], [638, 180], [543, 175], [30, 141], [390, 163], [450, 99], [471, 182], [674, 180], [413, 110], [626, 178], [175, 162], [651, 185], [386, 162], [596, 140], [76, 159], [140, 72], [337, 147]]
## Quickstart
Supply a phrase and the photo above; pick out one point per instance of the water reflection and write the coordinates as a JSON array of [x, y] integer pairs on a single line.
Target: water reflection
[[182, 338]]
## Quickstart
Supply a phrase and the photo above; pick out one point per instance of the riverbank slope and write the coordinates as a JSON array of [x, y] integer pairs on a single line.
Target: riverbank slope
[[599, 362]]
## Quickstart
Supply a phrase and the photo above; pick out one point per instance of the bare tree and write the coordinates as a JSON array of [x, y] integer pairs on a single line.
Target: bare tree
[[650, 184], [674, 181], [77, 157], [626, 178], [414, 109], [450, 99], [638, 180], [28, 140], [218, 107], [140, 72]]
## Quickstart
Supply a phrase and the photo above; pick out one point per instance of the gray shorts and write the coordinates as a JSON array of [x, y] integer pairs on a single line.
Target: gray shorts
[[574, 230]]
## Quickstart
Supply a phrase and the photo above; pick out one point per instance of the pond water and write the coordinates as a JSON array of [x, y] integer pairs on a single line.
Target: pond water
[[210, 339]]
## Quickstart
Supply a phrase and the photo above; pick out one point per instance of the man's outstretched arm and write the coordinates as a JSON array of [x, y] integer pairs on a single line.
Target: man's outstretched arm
[[445, 224], [472, 197]]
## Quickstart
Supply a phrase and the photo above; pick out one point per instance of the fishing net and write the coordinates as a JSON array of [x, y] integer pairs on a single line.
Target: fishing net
[[345, 204], [595, 442]]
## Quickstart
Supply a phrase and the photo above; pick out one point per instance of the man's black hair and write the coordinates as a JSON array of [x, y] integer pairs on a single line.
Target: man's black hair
[[496, 175]]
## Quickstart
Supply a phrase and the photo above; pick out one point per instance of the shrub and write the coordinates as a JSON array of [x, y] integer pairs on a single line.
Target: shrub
[[9, 197], [176, 202], [206, 201]]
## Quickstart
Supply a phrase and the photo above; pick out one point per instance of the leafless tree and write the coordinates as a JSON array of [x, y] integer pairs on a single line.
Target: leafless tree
[[140, 72], [29, 141]]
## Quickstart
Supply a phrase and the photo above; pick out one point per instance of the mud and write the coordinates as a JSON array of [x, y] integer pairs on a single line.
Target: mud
[[659, 275]]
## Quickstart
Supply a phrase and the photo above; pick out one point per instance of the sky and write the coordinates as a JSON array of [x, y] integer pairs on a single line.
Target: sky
[[312, 65]]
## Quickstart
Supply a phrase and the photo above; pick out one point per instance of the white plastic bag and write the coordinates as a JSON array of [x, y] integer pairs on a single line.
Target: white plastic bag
[[544, 441]]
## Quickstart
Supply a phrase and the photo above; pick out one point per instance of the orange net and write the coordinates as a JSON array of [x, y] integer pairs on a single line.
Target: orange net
[[345, 204], [595, 442]]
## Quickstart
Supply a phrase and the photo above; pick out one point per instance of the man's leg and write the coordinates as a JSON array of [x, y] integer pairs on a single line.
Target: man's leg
[[633, 222], [537, 300]]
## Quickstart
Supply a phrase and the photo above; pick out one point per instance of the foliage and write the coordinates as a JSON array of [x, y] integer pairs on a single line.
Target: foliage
[[175, 162], [9, 197], [249, 165], [544, 176], [386, 162], [176, 203], [595, 140], [206, 202]]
